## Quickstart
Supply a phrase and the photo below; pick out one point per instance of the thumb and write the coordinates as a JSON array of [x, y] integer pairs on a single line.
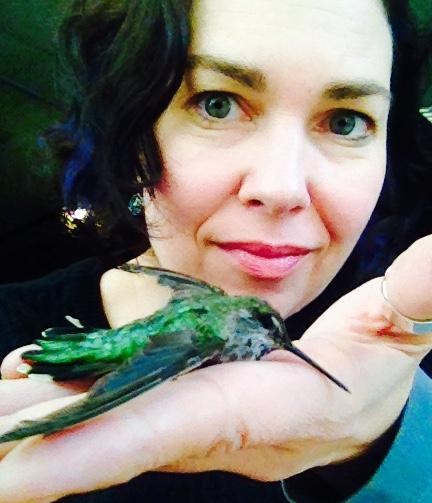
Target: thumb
[[409, 281], [365, 316], [13, 362]]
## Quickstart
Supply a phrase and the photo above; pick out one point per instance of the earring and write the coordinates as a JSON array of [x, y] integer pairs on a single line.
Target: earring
[[137, 202]]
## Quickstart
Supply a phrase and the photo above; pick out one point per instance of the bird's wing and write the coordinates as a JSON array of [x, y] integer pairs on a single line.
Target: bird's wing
[[136, 376], [182, 284], [67, 371]]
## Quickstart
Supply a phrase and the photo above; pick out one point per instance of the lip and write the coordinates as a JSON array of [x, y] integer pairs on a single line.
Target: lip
[[263, 260]]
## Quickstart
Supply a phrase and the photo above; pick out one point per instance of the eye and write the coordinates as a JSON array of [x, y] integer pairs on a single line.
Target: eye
[[269, 321], [350, 124], [217, 106], [266, 320]]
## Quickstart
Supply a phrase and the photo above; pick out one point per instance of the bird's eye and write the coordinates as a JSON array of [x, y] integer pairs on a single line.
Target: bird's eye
[[268, 321]]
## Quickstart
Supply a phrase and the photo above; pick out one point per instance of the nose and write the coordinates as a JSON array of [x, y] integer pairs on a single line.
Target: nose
[[276, 176]]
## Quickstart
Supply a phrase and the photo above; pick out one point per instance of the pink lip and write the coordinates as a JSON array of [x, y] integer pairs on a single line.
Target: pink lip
[[263, 260]]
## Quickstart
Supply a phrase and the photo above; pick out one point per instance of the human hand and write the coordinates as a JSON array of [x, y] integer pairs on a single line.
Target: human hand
[[18, 394], [267, 420]]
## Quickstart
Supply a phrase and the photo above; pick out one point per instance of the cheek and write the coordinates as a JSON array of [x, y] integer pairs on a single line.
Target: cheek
[[347, 202], [196, 183]]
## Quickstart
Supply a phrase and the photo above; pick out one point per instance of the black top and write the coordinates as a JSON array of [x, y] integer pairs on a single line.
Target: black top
[[28, 308]]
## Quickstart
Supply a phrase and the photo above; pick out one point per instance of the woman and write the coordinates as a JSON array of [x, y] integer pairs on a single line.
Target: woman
[[271, 128]]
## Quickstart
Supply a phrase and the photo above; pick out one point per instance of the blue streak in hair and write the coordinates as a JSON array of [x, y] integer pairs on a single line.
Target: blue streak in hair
[[79, 159]]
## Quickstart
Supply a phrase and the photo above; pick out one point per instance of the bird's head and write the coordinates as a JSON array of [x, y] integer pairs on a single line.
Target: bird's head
[[267, 316]]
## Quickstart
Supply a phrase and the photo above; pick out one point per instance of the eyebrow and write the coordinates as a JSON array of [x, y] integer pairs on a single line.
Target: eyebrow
[[255, 79], [351, 90], [244, 74]]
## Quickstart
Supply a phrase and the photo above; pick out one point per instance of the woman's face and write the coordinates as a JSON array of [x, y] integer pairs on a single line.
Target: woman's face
[[274, 147]]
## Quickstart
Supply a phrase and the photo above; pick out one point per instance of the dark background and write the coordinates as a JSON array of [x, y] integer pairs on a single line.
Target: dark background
[[33, 239]]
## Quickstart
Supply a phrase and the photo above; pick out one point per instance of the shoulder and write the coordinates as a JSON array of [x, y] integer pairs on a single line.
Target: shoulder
[[128, 296]]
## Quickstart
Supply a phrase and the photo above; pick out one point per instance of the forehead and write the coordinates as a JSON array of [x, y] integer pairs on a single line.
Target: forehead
[[328, 40]]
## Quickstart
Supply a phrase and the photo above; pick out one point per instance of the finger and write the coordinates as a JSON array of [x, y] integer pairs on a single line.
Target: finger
[[364, 316], [35, 459], [409, 281], [358, 322], [18, 396], [37, 411], [365, 312], [231, 410], [232, 407], [15, 367], [218, 410], [10, 367]]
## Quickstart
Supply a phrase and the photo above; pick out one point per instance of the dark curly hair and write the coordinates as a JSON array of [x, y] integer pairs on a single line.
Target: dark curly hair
[[404, 211], [121, 62]]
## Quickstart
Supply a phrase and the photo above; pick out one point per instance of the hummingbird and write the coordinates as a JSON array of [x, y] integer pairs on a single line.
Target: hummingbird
[[199, 326]]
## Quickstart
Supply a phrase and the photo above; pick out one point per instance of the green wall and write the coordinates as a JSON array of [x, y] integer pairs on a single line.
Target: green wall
[[27, 106]]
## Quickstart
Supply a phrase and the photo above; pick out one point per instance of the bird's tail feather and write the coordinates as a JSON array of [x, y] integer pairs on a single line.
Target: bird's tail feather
[[140, 374]]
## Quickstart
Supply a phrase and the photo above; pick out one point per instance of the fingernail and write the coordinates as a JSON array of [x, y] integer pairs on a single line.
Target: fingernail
[[23, 368]]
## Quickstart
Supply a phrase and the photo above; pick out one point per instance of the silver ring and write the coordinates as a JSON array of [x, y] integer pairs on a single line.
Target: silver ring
[[415, 327]]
